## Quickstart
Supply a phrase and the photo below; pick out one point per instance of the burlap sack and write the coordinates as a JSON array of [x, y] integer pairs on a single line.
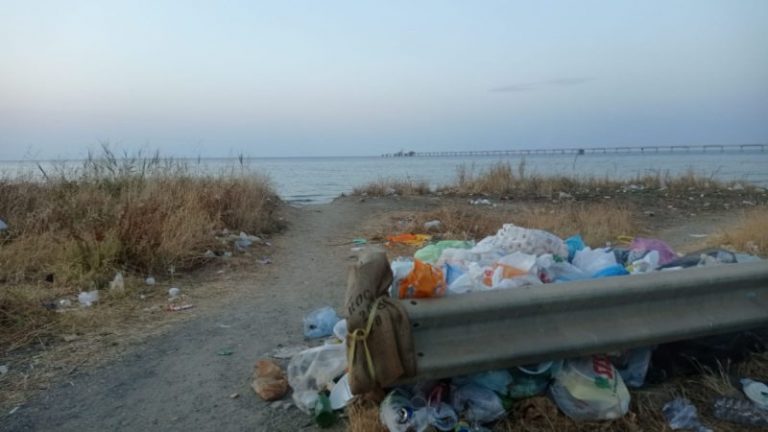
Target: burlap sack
[[389, 340]]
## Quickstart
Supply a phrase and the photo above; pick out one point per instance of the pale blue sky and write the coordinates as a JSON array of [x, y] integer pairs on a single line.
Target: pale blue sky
[[323, 78]]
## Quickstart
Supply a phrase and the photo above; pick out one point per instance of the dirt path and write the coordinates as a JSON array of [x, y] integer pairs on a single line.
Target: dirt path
[[177, 382]]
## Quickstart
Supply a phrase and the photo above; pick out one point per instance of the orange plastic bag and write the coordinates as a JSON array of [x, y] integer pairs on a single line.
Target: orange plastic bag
[[409, 239], [423, 281]]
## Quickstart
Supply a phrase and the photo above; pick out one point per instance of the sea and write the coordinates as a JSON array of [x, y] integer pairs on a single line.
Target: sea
[[321, 179]]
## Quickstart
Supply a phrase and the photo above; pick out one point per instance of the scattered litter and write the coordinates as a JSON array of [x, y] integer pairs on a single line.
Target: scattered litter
[[264, 261], [269, 380], [178, 308], [564, 195], [118, 284], [174, 292], [359, 241], [285, 353], [681, 414], [65, 303], [319, 323], [698, 235], [234, 395], [481, 201], [739, 411], [756, 391], [225, 352], [13, 411], [3, 369], [357, 249], [209, 254], [150, 281], [3, 225], [88, 298], [432, 225], [409, 239], [70, 337]]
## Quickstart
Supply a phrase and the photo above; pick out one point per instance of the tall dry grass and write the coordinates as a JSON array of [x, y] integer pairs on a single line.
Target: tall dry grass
[[505, 180], [749, 234], [72, 230]]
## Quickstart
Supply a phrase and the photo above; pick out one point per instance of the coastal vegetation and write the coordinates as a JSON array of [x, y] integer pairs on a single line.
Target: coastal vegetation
[[72, 230]]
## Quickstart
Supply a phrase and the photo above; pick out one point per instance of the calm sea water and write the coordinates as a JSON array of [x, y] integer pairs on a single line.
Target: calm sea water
[[318, 180]]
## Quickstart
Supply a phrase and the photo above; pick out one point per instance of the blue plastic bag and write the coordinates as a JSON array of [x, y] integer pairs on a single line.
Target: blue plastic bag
[[319, 323]]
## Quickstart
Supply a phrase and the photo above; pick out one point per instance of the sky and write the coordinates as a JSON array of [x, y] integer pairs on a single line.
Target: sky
[[344, 78]]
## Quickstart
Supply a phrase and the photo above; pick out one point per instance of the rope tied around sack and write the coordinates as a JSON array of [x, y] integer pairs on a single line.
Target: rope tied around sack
[[361, 335]]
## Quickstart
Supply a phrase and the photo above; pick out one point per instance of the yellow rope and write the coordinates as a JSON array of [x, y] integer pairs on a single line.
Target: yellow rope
[[625, 239], [361, 335]]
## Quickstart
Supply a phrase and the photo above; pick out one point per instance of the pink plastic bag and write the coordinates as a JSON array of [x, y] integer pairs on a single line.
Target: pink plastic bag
[[666, 254]]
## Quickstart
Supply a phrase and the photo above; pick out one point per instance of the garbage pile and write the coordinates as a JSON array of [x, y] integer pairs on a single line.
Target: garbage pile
[[589, 388]]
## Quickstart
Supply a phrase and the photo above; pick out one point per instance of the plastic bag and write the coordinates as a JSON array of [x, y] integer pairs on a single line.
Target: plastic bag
[[400, 269], [511, 238], [409, 239], [313, 370], [633, 366], [646, 264], [431, 253], [590, 388], [496, 380], [423, 281], [681, 414], [477, 403], [666, 254], [531, 380], [574, 243], [460, 257], [319, 323], [593, 260]]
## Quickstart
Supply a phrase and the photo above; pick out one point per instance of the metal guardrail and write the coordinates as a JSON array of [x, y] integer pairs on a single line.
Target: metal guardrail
[[475, 332]]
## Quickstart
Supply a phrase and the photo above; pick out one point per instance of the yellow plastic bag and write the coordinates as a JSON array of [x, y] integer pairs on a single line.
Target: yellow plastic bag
[[423, 281]]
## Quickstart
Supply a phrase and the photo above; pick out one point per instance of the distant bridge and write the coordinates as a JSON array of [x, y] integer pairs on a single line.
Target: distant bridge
[[591, 150]]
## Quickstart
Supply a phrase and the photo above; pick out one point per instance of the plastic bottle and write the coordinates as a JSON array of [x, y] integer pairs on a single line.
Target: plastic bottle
[[324, 415], [398, 415], [740, 411]]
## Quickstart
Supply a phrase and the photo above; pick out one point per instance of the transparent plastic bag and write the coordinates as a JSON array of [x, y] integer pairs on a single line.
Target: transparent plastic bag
[[314, 370], [590, 388], [477, 403]]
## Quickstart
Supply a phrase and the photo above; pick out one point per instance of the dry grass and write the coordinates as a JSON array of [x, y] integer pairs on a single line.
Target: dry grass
[[388, 187], [72, 231], [502, 179], [749, 234], [598, 223]]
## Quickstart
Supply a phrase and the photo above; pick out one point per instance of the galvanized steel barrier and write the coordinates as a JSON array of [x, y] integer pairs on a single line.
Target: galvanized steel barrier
[[474, 332]]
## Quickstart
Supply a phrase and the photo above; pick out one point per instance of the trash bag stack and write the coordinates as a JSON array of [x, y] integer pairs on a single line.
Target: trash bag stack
[[589, 388]]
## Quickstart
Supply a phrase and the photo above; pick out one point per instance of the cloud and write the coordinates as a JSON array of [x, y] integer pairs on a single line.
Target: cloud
[[557, 82]]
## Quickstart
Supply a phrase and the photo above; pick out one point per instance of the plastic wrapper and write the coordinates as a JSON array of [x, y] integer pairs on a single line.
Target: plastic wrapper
[[477, 403], [511, 238]]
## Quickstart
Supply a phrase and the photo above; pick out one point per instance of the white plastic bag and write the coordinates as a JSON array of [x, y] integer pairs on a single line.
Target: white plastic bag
[[314, 370], [593, 260], [511, 238], [590, 388]]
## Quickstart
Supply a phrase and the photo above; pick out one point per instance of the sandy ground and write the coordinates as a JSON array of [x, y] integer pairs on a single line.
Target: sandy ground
[[176, 381]]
